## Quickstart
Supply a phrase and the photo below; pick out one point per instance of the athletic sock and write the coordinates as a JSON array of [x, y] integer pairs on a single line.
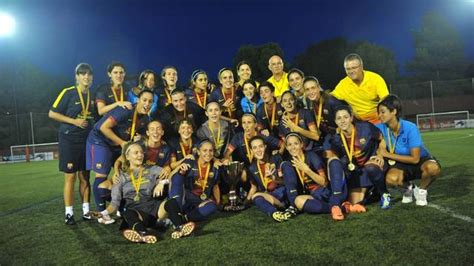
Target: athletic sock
[[375, 175], [338, 183], [173, 210], [263, 205], [99, 201], [85, 207], [133, 220], [203, 212], [315, 206], [69, 210]]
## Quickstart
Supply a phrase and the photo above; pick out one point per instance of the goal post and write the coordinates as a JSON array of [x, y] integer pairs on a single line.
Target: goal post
[[34, 152], [444, 120]]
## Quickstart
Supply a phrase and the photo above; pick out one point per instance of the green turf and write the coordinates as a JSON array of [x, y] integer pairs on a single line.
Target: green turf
[[32, 230]]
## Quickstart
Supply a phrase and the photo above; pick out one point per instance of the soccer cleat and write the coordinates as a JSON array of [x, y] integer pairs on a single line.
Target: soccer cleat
[[385, 201], [336, 213], [408, 195], [105, 219], [139, 237], [291, 212], [420, 196], [69, 220], [356, 208], [86, 216], [280, 216], [183, 230]]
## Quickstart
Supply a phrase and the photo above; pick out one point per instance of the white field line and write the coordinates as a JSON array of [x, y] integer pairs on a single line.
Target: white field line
[[451, 212], [449, 139]]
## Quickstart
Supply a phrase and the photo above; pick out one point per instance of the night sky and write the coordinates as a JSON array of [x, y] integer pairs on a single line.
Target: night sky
[[57, 35]]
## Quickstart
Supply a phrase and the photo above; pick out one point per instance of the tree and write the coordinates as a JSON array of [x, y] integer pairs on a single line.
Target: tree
[[378, 59], [439, 51], [257, 57]]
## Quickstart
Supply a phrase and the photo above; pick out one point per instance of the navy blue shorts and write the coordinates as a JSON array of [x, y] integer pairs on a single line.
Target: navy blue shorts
[[358, 178], [100, 159], [279, 193], [72, 153], [413, 171]]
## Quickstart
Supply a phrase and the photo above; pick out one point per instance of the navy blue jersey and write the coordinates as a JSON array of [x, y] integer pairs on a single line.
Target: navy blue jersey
[[170, 117], [218, 96], [200, 100], [194, 181], [367, 138], [106, 95], [327, 123], [264, 118], [239, 148], [179, 148], [305, 120], [160, 156], [69, 104], [256, 176], [316, 164], [123, 119]]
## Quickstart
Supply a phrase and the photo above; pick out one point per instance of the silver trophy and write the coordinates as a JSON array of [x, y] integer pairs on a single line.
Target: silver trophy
[[234, 172]]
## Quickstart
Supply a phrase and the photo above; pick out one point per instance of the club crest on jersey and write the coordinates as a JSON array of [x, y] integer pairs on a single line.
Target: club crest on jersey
[[362, 141], [161, 155], [325, 111], [211, 174], [98, 165], [70, 165]]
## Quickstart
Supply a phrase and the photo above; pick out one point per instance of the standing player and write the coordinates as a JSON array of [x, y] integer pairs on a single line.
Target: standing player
[[408, 159], [110, 134], [146, 81], [169, 75], [111, 95], [361, 89], [198, 91], [74, 109], [270, 112], [295, 81], [228, 96]]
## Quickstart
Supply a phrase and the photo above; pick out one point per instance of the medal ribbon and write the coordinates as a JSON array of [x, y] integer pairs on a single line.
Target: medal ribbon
[[319, 114], [231, 97], [343, 138], [183, 150], [247, 149], [261, 174], [115, 94], [198, 99], [272, 121], [85, 107], [134, 123], [138, 181], [205, 178], [217, 139], [301, 172], [391, 147], [168, 96]]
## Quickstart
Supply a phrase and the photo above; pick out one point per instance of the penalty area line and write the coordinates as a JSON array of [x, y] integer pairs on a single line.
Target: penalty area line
[[451, 212]]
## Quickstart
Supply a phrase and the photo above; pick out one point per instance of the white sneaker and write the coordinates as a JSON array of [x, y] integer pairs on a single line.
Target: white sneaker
[[106, 220], [408, 195], [420, 196]]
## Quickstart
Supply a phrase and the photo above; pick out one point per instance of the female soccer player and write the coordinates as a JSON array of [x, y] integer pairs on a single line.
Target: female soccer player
[[195, 185], [244, 71], [76, 120], [137, 187], [198, 92], [169, 75], [352, 152], [270, 112], [297, 120], [146, 80], [186, 146], [251, 100], [408, 159], [110, 134], [216, 129], [228, 96], [306, 182], [295, 80], [114, 94], [267, 190]]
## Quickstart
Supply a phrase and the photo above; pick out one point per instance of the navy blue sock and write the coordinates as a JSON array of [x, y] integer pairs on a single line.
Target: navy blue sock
[[177, 189], [291, 181], [99, 200], [203, 212], [375, 175], [338, 182], [316, 206], [263, 205]]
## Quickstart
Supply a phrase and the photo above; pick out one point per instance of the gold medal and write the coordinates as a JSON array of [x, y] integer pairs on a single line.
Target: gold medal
[[391, 162], [203, 196], [351, 167], [137, 197]]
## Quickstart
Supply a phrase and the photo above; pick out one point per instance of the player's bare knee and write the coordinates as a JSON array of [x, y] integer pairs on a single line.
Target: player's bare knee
[[299, 202]]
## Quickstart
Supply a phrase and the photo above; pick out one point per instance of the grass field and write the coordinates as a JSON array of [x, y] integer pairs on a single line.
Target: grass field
[[32, 229]]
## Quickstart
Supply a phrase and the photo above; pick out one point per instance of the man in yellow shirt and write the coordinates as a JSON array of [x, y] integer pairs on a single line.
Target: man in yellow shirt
[[361, 89], [279, 79]]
